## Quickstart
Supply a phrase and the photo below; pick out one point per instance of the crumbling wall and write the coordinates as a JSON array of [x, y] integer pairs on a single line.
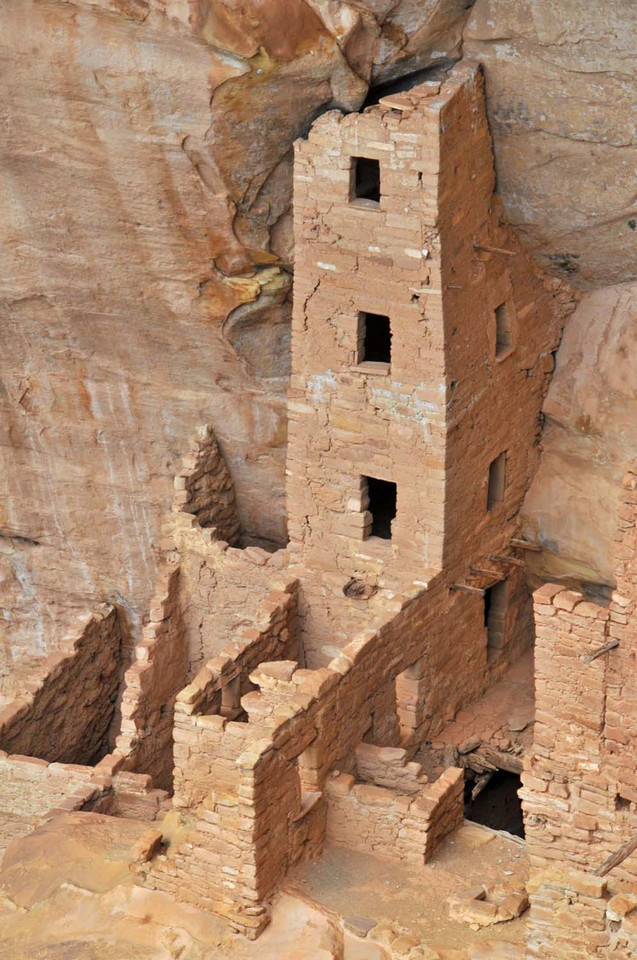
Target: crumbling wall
[[579, 784], [221, 588], [406, 820], [204, 488], [253, 792], [66, 715], [151, 684], [33, 790]]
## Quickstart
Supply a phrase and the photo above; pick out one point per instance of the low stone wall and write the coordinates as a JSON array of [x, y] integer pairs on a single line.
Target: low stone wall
[[576, 915], [379, 820], [66, 710], [33, 790], [388, 767]]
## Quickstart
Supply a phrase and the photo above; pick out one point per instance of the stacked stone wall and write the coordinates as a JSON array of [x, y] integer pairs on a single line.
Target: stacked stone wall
[[579, 785], [221, 588], [151, 683], [377, 819], [204, 488], [434, 418], [33, 790], [253, 793], [66, 711]]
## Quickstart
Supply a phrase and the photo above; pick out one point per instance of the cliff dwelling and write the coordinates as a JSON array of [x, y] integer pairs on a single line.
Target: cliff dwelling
[[318, 594]]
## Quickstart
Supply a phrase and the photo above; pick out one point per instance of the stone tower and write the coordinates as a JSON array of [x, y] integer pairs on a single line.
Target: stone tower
[[420, 353]]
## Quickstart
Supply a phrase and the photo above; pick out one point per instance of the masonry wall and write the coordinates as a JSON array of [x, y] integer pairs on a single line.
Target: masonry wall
[[32, 790], [494, 391], [395, 813], [579, 781], [151, 683], [435, 418], [66, 714], [351, 257], [205, 488], [255, 789], [221, 588]]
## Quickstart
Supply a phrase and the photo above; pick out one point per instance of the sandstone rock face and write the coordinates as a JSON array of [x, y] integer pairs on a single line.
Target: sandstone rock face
[[146, 184], [561, 90], [145, 170], [590, 436]]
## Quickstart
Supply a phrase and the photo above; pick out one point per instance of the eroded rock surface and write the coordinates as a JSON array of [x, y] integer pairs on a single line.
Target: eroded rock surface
[[145, 166], [561, 92], [589, 438]]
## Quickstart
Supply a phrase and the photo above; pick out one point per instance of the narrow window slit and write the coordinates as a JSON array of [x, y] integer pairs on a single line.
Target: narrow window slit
[[497, 481], [503, 332], [495, 598]]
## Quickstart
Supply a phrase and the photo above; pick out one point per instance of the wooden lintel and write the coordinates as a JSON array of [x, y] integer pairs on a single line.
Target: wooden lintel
[[489, 249], [487, 757], [467, 588], [496, 574], [512, 560], [525, 545]]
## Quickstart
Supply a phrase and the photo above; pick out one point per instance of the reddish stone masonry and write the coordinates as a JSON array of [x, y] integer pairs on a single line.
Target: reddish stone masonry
[[267, 689]]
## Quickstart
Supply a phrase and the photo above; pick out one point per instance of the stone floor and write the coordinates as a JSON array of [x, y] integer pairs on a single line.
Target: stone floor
[[413, 899], [69, 892]]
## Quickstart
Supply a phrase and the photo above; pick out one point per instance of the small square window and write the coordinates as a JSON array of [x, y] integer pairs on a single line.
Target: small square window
[[380, 496], [366, 179], [503, 331], [497, 481], [374, 338]]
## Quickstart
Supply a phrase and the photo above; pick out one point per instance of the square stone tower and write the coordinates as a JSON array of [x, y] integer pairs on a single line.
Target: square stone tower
[[420, 350]]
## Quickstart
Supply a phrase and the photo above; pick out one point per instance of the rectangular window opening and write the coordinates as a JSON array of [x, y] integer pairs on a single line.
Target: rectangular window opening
[[374, 338], [503, 331], [381, 498], [495, 603], [366, 180], [497, 481]]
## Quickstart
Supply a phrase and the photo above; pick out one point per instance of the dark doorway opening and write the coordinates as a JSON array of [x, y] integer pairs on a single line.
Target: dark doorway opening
[[366, 179], [374, 338], [495, 603], [381, 495], [497, 805]]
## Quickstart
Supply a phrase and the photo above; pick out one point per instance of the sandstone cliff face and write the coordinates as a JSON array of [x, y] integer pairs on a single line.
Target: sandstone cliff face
[[145, 169], [562, 97], [589, 438]]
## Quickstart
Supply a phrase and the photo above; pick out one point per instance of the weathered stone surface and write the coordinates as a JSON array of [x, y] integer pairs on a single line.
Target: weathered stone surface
[[146, 170], [561, 91], [589, 437]]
